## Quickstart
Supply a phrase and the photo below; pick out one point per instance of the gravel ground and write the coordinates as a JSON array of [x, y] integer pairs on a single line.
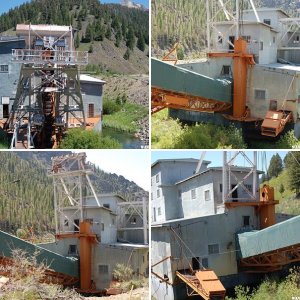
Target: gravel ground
[[138, 294]]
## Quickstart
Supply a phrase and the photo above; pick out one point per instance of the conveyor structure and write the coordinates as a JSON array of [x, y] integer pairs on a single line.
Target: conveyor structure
[[62, 270]]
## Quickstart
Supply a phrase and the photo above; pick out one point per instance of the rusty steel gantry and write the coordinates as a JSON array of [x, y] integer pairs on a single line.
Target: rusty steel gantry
[[48, 99]]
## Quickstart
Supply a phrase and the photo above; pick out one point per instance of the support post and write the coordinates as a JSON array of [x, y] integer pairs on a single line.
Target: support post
[[208, 25], [224, 181], [254, 185], [145, 222]]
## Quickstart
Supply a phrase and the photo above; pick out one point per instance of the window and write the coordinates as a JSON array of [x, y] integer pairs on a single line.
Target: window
[[106, 205], [193, 193], [213, 249], [195, 263], [72, 249], [221, 188], [220, 39], [159, 211], [66, 223], [246, 221], [5, 100], [274, 39], [226, 70], [154, 214], [247, 38], [248, 186], [133, 220], [207, 195], [260, 94], [102, 226], [157, 178], [3, 68], [91, 113], [261, 46], [267, 21], [103, 269], [151, 196], [204, 262], [158, 193]]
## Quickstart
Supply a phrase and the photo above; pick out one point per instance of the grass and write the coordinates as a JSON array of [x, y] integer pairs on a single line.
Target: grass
[[272, 289], [126, 118], [168, 133], [288, 203]]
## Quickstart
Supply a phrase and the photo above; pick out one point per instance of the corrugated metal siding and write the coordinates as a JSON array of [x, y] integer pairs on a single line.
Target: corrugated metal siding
[[278, 236], [176, 79], [56, 262]]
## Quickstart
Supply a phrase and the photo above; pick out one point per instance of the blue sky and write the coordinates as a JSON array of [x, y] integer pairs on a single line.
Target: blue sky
[[216, 157], [6, 5], [133, 164]]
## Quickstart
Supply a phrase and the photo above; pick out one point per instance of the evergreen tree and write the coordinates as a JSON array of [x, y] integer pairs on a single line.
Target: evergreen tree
[[77, 41], [141, 42], [91, 49], [79, 25], [281, 189], [108, 32], [275, 166], [118, 38], [292, 164], [130, 39], [127, 54]]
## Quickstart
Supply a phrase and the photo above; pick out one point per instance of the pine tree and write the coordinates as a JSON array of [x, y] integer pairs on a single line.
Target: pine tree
[[77, 41], [292, 164], [91, 49], [108, 32], [130, 39], [141, 42], [281, 189], [127, 54], [275, 166]]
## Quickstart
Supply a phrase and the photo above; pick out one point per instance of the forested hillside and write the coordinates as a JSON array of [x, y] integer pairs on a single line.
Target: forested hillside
[[26, 193], [110, 32], [185, 22]]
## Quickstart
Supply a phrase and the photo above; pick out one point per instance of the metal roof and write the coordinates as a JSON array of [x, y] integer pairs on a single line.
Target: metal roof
[[278, 236], [262, 9], [233, 168], [90, 79], [282, 67], [179, 160]]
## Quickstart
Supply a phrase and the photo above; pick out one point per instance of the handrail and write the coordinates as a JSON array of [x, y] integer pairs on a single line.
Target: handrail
[[60, 57]]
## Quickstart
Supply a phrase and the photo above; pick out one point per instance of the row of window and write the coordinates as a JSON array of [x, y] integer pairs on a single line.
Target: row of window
[[207, 195]]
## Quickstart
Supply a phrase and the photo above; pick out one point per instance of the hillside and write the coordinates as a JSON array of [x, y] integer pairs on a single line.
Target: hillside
[[26, 193], [289, 203], [185, 22], [116, 36]]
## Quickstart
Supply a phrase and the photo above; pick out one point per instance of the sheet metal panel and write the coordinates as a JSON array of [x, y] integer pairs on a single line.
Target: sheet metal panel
[[177, 79], [278, 236]]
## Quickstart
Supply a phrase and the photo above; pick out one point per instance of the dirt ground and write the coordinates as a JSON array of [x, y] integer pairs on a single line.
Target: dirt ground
[[136, 87], [138, 294]]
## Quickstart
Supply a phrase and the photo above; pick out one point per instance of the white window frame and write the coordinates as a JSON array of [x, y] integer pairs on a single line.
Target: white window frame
[[207, 198], [158, 193], [157, 178]]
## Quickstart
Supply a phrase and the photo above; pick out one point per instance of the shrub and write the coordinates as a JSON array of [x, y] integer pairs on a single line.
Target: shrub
[[110, 107], [79, 138]]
